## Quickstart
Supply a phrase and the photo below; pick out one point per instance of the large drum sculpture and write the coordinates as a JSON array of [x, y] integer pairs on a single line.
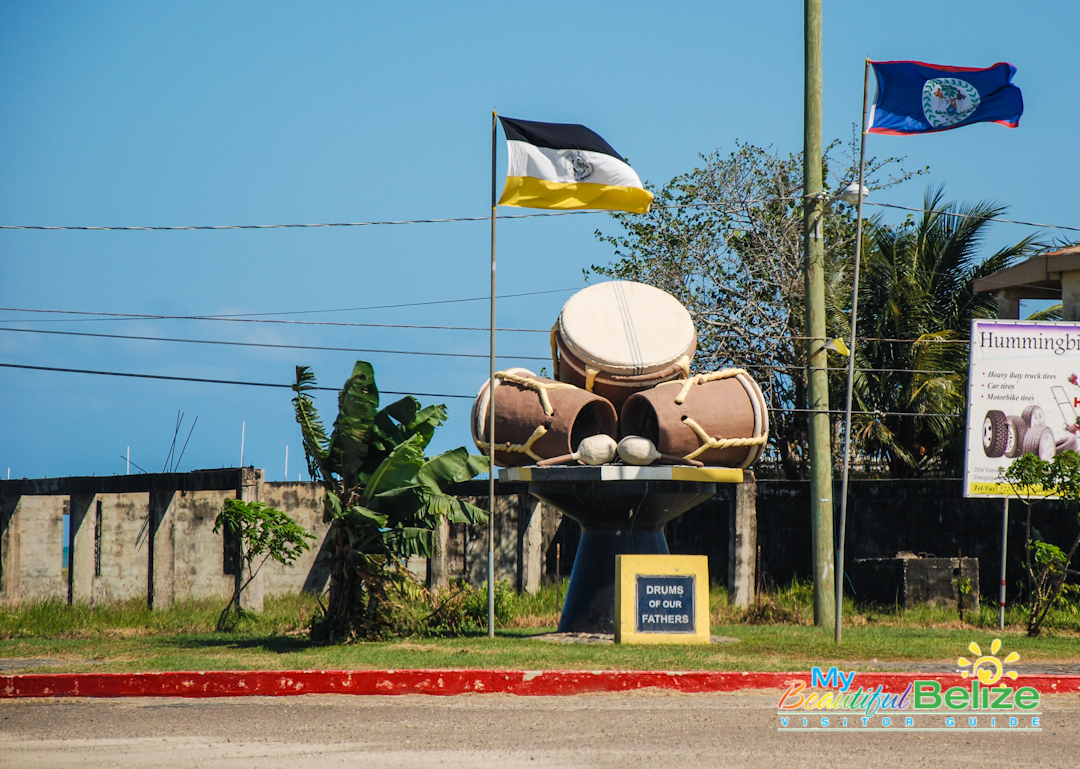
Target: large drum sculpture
[[615, 339], [621, 353]]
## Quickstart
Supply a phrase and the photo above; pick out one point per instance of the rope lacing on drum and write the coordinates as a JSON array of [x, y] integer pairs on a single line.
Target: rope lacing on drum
[[535, 384], [708, 442], [712, 376], [518, 448]]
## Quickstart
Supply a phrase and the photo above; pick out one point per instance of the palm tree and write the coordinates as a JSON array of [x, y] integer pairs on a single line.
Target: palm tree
[[382, 495], [915, 310]]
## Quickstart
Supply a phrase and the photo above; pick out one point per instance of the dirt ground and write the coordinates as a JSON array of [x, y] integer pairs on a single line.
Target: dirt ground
[[625, 730]]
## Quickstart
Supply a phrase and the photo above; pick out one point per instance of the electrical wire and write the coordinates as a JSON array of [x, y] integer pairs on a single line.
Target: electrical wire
[[138, 316], [266, 344], [425, 395], [698, 204], [418, 352], [394, 306], [209, 381], [971, 216], [233, 319]]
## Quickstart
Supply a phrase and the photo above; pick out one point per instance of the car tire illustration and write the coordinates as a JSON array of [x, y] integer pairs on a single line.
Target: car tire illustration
[[1040, 441], [1066, 443], [995, 433], [1014, 442], [1034, 416]]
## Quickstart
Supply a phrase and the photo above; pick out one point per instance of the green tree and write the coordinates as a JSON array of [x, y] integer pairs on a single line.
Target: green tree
[[915, 310], [262, 532], [383, 497], [726, 240], [1031, 479]]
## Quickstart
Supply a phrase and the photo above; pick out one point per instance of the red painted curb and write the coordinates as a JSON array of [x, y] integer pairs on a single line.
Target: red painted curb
[[445, 682]]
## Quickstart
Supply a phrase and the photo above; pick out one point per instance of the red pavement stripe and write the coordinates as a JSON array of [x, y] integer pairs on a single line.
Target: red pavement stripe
[[445, 682]]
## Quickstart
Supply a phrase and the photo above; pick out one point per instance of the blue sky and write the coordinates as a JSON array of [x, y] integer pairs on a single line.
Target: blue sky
[[251, 113]]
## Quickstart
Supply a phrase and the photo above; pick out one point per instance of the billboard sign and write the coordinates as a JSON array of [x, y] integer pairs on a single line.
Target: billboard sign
[[1023, 397]]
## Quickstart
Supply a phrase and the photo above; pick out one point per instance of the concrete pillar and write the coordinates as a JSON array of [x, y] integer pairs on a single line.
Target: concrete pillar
[[438, 571], [1070, 295], [531, 548], [1008, 303], [9, 551], [252, 597], [742, 544], [83, 510], [161, 583]]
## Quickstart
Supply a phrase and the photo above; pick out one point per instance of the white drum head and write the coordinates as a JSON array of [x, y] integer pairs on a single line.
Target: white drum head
[[626, 328]]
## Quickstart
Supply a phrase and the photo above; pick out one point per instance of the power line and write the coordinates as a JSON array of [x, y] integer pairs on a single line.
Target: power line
[[424, 395], [393, 306], [292, 226], [138, 316], [232, 319], [209, 381], [971, 216], [698, 204], [418, 352], [265, 344]]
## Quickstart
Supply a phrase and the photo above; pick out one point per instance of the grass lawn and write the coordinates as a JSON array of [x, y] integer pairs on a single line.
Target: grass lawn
[[774, 636]]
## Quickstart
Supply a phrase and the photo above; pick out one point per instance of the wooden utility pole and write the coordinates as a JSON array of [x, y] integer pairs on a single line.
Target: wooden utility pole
[[817, 379]]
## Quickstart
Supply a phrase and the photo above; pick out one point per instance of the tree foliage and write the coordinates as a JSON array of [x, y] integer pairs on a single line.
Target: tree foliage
[[263, 532], [383, 497], [726, 239], [916, 305], [1031, 478]]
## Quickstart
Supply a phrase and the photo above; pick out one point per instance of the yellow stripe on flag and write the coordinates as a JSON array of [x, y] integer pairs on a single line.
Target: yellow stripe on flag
[[528, 192]]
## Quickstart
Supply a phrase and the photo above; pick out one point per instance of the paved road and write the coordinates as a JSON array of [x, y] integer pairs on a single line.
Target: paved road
[[623, 730]]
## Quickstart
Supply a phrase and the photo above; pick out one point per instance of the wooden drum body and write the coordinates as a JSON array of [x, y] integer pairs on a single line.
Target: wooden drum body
[[719, 418], [537, 418], [618, 338]]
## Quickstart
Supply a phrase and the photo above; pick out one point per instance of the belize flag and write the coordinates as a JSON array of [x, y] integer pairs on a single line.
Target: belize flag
[[914, 98], [565, 166]]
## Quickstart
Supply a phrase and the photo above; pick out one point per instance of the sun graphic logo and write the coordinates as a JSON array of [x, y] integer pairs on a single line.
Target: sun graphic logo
[[987, 667]]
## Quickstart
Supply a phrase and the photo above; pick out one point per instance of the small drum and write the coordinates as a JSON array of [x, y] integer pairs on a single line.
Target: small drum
[[537, 418], [617, 338], [719, 418]]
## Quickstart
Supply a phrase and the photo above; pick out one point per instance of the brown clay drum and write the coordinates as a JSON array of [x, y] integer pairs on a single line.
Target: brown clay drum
[[722, 419], [620, 337], [537, 418]]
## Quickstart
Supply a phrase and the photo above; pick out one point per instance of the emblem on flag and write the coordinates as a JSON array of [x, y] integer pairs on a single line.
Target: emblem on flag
[[565, 166], [913, 97], [948, 100]]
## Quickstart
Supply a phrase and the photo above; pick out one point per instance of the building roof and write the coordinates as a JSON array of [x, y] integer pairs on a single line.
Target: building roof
[[1036, 278]]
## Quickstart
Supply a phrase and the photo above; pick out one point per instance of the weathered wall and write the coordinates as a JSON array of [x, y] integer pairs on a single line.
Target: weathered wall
[[311, 572], [123, 542], [156, 544], [199, 553], [31, 549]]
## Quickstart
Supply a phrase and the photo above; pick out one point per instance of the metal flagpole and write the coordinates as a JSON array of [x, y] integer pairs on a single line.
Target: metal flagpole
[[839, 576], [1004, 543], [491, 405]]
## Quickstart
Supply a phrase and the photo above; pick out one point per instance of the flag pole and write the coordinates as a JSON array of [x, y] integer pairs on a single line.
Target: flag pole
[[491, 406], [839, 579]]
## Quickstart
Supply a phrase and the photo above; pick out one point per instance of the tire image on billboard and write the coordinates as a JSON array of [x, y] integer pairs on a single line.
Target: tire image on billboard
[[995, 433]]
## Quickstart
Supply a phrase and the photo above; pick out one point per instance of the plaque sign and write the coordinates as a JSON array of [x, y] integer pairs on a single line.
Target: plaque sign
[[665, 604], [662, 599]]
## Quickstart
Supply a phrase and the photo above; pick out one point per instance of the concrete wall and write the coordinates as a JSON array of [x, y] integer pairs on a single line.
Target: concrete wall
[[155, 543], [31, 549], [125, 556], [311, 572]]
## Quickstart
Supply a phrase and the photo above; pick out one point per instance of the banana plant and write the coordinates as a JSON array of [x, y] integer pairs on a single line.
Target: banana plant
[[383, 497]]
